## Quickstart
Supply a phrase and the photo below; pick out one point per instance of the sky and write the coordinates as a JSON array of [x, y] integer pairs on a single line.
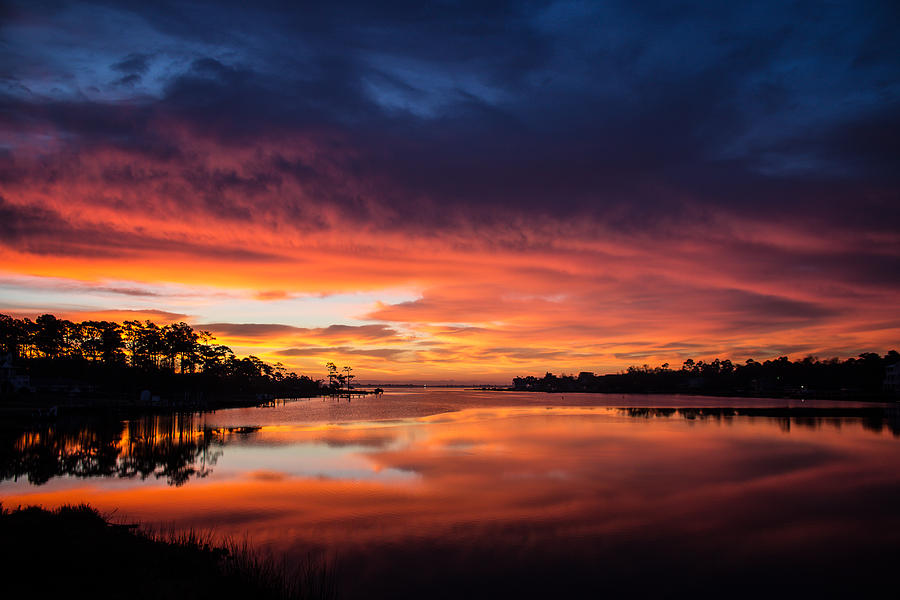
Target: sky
[[459, 191]]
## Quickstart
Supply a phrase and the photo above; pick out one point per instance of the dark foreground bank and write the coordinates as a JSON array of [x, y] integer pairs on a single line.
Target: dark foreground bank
[[75, 552]]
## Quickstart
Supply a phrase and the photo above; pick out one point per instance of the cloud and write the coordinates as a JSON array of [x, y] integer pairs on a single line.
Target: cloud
[[332, 332], [272, 295], [129, 80], [249, 330], [133, 64], [383, 353], [112, 314], [143, 314], [545, 181]]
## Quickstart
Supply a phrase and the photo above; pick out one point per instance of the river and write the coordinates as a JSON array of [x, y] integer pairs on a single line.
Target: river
[[457, 493]]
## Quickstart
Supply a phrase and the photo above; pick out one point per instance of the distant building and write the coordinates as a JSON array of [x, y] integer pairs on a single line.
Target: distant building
[[586, 378], [892, 377], [12, 378]]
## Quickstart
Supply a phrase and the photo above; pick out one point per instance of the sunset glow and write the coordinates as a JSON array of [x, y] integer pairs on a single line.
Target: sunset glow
[[425, 203]]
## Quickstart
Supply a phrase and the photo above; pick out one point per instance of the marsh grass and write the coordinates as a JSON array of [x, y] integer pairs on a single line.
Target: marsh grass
[[311, 578], [77, 551]]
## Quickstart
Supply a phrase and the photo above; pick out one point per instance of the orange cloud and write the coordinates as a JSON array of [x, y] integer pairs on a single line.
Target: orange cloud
[[116, 315], [497, 294]]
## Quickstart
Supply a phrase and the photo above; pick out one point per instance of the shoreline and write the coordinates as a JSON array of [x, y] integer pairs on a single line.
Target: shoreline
[[37, 407], [882, 398]]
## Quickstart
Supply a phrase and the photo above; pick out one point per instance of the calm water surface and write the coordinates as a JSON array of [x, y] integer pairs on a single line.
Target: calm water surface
[[451, 493]]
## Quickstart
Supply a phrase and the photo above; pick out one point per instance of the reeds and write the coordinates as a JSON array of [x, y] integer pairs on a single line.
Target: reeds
[[86, 550], [312, 578]]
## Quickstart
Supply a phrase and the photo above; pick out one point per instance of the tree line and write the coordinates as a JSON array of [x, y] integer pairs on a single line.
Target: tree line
[[49, 346], [859, 376]]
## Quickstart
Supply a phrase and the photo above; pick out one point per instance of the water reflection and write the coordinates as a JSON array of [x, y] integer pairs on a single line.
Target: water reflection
[[517, 501], [173, 447], [179, 447], [875, 419]]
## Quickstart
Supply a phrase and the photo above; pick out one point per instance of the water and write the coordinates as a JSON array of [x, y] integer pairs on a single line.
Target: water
[[450, 493]]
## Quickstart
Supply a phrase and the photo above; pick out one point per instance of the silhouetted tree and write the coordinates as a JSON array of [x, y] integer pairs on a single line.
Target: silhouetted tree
[[57, 347], [834, 378], [332, 374], [348, 377], [49, 338]]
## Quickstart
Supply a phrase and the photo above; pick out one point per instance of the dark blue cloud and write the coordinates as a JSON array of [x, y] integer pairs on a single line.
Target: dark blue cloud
[[620, 110], [133, 64]]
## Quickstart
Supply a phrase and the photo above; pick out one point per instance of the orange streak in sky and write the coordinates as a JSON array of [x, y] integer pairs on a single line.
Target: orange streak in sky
[[495, 298]]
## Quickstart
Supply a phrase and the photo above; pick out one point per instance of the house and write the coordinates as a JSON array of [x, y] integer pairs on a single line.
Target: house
[[892, 377], [13, 378]]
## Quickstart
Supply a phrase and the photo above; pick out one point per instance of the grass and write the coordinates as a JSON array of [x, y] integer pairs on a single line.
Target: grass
[[76, 551]]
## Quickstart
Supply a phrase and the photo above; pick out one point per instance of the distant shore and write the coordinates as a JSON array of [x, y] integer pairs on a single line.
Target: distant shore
[[21, 410], [875, 397]]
